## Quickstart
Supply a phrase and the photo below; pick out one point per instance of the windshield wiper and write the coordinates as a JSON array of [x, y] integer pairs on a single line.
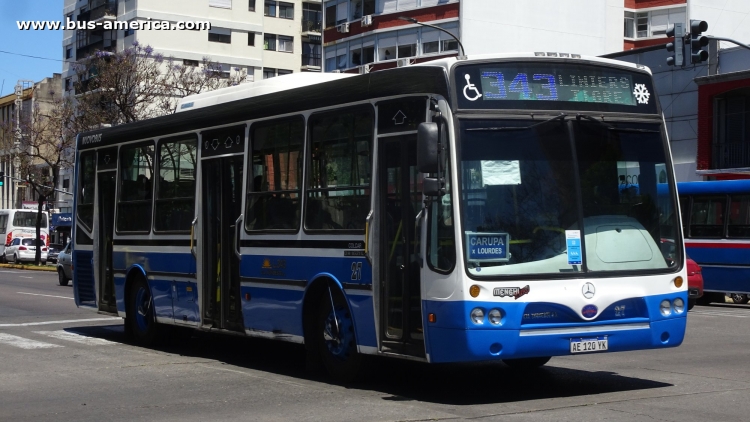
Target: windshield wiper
[[561, 117], [614, 128]]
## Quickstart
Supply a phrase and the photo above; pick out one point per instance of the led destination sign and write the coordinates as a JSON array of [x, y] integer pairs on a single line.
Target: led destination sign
[[554, 85], [591, 86]]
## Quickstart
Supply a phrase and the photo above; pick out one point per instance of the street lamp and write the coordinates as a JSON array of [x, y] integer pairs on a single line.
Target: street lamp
[[462, 56]]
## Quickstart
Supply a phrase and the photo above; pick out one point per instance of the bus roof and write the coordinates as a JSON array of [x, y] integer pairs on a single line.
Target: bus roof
[[713, 187]]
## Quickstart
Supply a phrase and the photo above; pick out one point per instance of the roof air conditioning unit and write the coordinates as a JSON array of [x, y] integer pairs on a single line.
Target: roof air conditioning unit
[[403, 62], [366, 20], [365, 68], [343, 28]]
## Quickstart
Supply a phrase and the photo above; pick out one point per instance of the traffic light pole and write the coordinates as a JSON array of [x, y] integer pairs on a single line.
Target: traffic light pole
[[711, 37]]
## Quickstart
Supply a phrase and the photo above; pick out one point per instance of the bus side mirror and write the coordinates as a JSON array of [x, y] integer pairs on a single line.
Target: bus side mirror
[[427, 147], [433, 186]]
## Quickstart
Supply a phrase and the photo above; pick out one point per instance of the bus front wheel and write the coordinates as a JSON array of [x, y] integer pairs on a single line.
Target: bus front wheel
[[527, 363], [140, 316], [336, 342]]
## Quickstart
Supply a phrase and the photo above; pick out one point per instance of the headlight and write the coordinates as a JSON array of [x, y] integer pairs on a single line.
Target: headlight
[[679, 306], [477, 316], [665, 308], [495, 316]]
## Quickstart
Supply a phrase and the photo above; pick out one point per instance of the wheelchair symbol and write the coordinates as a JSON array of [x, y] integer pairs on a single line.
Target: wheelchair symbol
[[470, 86]]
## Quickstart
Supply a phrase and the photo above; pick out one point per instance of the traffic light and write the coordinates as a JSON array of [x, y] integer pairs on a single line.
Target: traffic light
[[677, 47], [698, 41], [2, 179]]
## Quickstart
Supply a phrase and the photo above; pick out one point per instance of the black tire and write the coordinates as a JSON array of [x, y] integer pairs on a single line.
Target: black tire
[[691, 304], [527, 363], [740, 298], [140, 313], [15, 258], [61, 277], [337, 346]]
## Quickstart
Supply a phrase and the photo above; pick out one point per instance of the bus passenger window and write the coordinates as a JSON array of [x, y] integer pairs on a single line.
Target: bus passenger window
[[338, 196], [739, 216], [276, 176], [136, 186], [707, 216], [175, 197]]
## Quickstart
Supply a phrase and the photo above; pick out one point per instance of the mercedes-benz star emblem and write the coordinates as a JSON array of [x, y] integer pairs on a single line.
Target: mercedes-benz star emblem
[[588, 290]]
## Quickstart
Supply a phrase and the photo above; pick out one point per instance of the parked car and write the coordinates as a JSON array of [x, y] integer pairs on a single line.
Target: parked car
[[52, 251], [65, 265], [24, 249], [695, 282]]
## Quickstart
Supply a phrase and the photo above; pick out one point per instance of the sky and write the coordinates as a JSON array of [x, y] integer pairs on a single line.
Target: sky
[[45, 43]]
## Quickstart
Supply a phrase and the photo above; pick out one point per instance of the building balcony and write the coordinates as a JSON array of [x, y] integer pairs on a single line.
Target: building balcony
[[103, 9], [312, 62], [312, 26], [101, 45], [731, 155]]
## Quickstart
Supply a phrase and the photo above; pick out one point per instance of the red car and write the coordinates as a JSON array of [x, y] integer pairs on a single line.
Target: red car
[[695, 282]]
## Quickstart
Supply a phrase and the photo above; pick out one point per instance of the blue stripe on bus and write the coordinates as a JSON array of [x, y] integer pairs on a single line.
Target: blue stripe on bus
[[470, 342], [172, 262], [736, 279]]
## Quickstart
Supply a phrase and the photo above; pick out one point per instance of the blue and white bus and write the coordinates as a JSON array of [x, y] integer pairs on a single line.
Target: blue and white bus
[[452, 211], [716, 224]]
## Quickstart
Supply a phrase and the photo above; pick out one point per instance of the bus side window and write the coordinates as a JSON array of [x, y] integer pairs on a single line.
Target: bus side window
[[174, 205], [338, 194], [739, 216], [707, 216], [273, 200], [136, 185], [685, 213]]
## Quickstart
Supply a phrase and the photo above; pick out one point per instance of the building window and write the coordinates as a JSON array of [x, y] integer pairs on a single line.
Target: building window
[[653, 23], [269, 42], [281, 72], [269, 9], [251, 5], [222, 35], [69, 53], [268, 73], [66, 184], [311, 54], [286, 10], [251, 38], [312, 17], [285, 44], [193, 63], [68, 84], [732, 129], [330, 15], [224, 4]]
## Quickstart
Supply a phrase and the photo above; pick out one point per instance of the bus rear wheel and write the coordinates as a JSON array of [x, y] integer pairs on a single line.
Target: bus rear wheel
[[336, 342], [140, 316], [527, 363]]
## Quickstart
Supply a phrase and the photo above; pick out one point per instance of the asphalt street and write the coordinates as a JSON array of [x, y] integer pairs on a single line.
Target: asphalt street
[[61, 363]]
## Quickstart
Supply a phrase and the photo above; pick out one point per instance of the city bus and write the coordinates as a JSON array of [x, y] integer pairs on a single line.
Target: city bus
[[21, 223], [716, 225], [451, 211]]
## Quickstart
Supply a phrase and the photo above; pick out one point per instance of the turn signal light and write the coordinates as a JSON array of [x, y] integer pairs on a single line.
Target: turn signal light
[[678, 282], [432, 318], [474, 290]]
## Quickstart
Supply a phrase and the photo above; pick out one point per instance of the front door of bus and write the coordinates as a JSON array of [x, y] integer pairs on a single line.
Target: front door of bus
[[400, 190], [106, 189]]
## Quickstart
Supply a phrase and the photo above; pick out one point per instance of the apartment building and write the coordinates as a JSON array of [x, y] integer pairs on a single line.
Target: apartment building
[[260, 38], [366, 35]]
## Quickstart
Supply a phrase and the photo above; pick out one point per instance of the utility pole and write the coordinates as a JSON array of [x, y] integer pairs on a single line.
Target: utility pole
[[21, 86]]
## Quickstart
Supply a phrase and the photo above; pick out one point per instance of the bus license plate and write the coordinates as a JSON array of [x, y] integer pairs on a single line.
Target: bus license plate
[[589, 345]]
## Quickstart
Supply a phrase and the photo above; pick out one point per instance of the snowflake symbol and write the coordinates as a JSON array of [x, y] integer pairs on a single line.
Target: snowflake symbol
[[641, 93]]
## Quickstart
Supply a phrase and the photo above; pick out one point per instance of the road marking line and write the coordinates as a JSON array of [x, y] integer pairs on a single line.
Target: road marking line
[[23, 276], [37, 294], [65, 321], [25, 343], [74, 337], [721, 314]]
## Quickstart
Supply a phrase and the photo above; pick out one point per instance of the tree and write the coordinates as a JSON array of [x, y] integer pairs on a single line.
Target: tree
[[137, 83]]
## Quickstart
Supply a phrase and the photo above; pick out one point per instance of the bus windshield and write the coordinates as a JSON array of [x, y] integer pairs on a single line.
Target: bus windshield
[[561, 197]]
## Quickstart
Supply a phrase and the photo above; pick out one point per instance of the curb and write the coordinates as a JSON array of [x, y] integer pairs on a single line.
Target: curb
[[27, 267]]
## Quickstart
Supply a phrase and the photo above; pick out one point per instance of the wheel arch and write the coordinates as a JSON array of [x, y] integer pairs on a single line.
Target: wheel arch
[[315, 289], [134, 272]]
